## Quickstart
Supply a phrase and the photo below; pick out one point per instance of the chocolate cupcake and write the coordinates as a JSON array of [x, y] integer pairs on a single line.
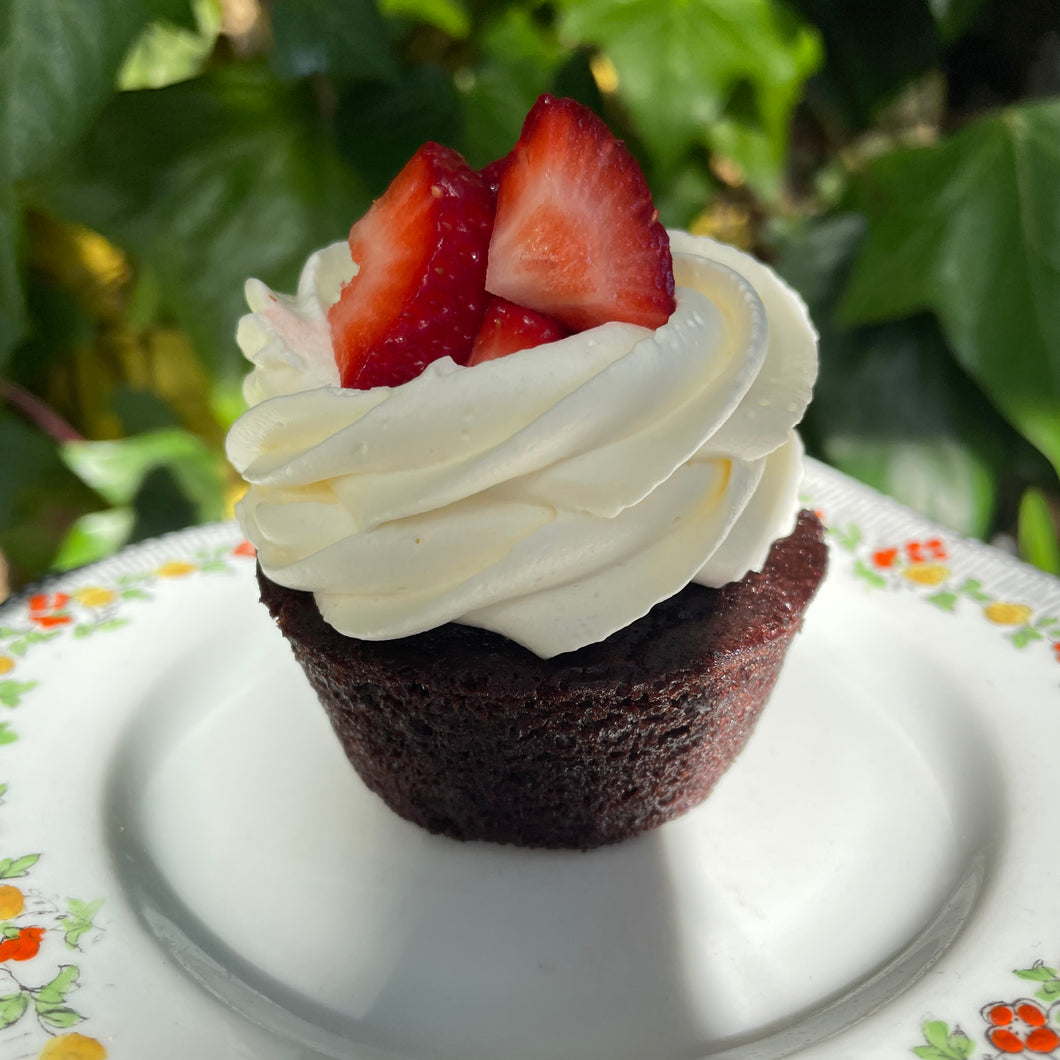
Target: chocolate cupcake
[[467, 734], [542, 575]]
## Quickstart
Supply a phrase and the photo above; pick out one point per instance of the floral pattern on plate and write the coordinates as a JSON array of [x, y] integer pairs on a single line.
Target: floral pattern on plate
[[40, 934], [46, 940], [1024, 1026]]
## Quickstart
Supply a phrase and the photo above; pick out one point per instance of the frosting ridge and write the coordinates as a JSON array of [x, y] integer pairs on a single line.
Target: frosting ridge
[[553, 495]]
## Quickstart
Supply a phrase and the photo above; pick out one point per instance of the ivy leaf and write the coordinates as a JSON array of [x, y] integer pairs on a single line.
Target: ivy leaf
[[717, 72], [57, 69], [953, 16], [116, 469], [869, 59], [211, 181], [891, 407], [12, 302], [166, 53], [340, 40], [970, 230], [450, 16], [1039, 542], [519, 60]]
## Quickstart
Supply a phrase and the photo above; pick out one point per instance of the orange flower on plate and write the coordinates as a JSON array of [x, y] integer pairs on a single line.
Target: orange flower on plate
[[175, 568], [1020, 1027], [72, 1047], [7, 664], [46, 610], [1007, 614], [926, 573], [244, 548], [933, 549], [11, 902], [94, 596], [23, 946]]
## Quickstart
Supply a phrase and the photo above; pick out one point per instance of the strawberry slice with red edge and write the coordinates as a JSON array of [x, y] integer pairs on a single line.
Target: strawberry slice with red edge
[[508, 328], [419, 290], [576, 235]]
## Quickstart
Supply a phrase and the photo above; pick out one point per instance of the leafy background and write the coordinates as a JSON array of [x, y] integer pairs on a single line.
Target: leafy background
[[899, 163]]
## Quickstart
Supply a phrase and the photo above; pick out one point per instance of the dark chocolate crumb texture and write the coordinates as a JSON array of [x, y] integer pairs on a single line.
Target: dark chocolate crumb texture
[[473, 736]]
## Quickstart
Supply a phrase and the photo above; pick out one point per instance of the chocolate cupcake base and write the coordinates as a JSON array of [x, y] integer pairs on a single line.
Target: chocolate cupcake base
[[471, 735]]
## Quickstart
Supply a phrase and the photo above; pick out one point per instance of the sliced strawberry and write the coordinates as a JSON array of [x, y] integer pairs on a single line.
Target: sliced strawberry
[[508, 327], [576, 235], [491, 173], [419, 291]]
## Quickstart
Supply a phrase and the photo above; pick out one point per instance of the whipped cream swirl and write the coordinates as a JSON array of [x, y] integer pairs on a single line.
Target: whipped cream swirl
[[553, 495]]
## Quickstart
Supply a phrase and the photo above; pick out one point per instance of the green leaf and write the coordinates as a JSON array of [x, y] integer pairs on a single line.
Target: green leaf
[[167, 53], [450, 16], [379, 127], [943, 1045], [1022, 637], [93, 537], [117, 469], [870, 58], [973, 589], [55, 991], [347, 40], [1038, 973], [11, 868], [13, 1008], [519, 60], [970, 230], [6, 734], [78, 921], [869, 576], [57, 68], [211, 181], [39, 498], [725, 73], [11, 691], [943, 601], [890, 406], [848, 537], [58, 1016], [12, 302], [953, 17], [1037, 533]]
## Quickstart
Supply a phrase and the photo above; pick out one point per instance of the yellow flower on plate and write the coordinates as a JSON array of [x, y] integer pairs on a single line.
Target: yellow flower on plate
[[175, 568], [1007, 614], [927, 573], [94, 596], [11, 902], [72, 1047], [7, 664]]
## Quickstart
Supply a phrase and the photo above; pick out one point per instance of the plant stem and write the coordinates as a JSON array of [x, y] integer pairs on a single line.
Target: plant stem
[[37, 412]]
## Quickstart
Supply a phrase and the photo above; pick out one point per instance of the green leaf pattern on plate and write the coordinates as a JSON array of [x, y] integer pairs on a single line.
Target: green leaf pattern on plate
[[35, 929], [924, 566]]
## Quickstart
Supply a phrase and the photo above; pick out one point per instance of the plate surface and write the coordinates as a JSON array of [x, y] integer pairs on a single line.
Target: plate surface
[[188, 866]]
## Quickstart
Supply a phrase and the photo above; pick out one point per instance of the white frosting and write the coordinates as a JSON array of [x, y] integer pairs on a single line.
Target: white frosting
[[553, 495]]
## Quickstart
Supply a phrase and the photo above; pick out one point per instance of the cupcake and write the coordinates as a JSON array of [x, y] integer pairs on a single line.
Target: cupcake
[[523, 481]]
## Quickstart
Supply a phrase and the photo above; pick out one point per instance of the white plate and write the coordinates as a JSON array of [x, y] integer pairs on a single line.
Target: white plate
[[189, 868]]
